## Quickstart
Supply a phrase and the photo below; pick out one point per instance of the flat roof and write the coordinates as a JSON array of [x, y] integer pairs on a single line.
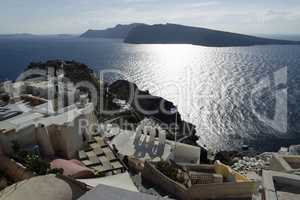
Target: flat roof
[[66, 116], [38, 114], [25, 118], [126, 144], [103, 192], [122, 181], [144, 149]]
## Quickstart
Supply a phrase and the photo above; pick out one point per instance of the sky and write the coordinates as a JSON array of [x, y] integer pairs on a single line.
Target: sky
[[76, 16]]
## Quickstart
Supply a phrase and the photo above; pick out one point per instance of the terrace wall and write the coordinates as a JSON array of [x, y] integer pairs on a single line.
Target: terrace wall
[[153, 175]]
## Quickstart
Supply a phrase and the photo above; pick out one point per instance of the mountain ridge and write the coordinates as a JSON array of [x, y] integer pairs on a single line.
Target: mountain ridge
[[117, 32]]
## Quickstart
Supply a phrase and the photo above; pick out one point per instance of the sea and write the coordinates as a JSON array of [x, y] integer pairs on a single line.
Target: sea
[[234, 95]]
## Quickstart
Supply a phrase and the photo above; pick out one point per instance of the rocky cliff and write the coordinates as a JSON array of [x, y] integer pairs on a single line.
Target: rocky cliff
[[154, 107]]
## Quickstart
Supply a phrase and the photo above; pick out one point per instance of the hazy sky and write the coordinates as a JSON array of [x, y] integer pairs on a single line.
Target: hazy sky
[[76, 16]]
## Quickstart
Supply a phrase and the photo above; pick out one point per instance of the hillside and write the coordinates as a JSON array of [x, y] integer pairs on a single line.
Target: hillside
[[179, 34]]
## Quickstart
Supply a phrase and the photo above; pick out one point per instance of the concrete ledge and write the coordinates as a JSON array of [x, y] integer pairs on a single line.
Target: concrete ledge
[[287, 163], [228, 190], [283, 178], [278, 163], [104, 192]]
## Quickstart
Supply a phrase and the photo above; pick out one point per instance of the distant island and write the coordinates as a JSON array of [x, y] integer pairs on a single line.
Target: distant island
[[30, 35], [179, 34], [138, 33], [117, 32], [17, 35]]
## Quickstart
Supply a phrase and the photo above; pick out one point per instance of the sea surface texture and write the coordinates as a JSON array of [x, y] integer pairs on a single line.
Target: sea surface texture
[[235, 96]]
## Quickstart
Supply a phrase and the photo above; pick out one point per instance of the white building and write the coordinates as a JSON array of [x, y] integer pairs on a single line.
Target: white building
[[55, 133]]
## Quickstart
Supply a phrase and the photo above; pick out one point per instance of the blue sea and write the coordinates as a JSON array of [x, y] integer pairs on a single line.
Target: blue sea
[[235, 96]]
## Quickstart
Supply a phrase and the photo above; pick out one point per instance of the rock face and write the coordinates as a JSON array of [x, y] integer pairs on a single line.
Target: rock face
[[179, 34], [151, 106], [145, 103], [118, 32]]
